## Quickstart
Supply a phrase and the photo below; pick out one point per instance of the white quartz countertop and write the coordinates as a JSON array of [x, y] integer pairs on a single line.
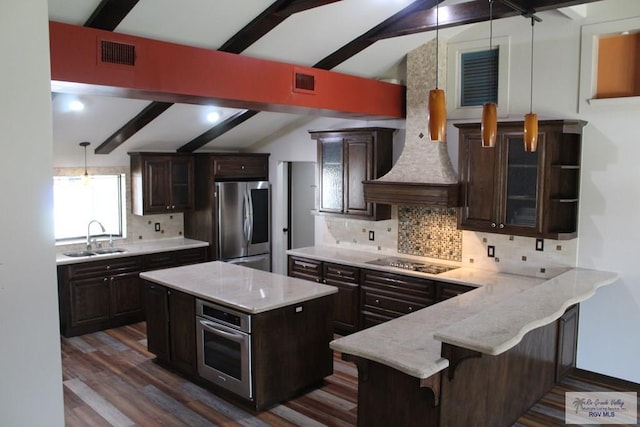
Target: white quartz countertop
[[141, 248], [245, 289], [491, 319]]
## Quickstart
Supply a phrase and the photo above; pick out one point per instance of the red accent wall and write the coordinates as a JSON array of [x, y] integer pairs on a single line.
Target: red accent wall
[[178, 73]]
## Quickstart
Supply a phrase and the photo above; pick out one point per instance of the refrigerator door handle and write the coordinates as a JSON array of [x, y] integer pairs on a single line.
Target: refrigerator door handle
[[250, 204], [246, 212]]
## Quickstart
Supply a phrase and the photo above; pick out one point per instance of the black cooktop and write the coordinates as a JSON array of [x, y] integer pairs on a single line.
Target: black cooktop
[[407, 264]]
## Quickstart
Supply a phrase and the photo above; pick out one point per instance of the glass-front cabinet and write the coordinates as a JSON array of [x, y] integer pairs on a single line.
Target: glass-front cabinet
[[346, 157], [510, 191]]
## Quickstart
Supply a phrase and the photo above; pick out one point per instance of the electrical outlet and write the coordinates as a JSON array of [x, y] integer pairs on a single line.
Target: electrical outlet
[[157, 226], [491, 251], [372, 235], [539, 245]]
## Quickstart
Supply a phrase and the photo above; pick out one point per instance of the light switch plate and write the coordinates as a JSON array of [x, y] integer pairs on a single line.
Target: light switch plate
[[491, 251]]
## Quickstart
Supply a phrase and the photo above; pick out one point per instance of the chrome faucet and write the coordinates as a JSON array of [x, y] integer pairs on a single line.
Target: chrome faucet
[[89, 241]]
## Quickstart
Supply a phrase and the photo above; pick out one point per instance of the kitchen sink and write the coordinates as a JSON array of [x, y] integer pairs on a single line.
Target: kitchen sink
[[104, 251], [109, 251], [79, 253]]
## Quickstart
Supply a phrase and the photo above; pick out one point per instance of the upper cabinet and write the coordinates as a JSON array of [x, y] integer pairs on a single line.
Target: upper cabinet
[[346, 157], [161, 183], [507, 190]]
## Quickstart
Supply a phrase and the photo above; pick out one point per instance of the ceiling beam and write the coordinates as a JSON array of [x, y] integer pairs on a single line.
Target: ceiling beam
[[143, 118], [270, 18], [110, 13], [222, 128], [261, 25]]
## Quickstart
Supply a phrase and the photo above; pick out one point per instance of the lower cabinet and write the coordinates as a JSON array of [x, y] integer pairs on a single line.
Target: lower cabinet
[[567, 348], [387, 296], [171, 332], [346, 314], [369, 297], [99, 295], [107, 293]]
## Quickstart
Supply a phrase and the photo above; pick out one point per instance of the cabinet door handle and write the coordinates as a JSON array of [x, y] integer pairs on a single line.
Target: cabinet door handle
[[493, 225], [173, 206], [324, 281], [501, 226], [168, 207], [410, 308], [105, 279], [108, 267], [377, 301]]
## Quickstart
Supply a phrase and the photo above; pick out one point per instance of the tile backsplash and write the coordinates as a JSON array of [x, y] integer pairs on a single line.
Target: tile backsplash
[[137, 227], [429, 232]]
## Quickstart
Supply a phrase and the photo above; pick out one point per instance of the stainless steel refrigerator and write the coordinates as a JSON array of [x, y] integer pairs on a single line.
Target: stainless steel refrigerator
[[243, 225]]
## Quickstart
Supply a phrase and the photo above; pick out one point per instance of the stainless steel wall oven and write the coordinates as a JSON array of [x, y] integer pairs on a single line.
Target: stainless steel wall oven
[[224, 347]]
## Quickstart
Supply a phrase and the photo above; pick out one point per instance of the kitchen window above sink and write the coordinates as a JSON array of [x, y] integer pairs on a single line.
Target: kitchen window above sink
[[77, 200]]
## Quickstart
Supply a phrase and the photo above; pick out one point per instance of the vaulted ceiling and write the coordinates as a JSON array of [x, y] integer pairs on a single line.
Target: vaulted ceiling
[[366, 38]]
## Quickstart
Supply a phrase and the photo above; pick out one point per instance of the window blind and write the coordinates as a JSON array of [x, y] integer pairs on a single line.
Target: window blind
[[479, 75]]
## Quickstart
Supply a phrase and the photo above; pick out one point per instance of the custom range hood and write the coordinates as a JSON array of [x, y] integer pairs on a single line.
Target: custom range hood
[[423, 174]]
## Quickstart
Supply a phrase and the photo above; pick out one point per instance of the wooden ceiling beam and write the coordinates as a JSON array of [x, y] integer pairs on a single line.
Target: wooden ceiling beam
[[143, 118], [220, 129], [109, 14]]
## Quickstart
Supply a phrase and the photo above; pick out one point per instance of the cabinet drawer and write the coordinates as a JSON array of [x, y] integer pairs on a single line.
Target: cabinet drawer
[[377, 301], [305, 269], [159, 260], [191, 256], [450, 290], [370, 319], [110, 266], [241, 167], [410, 287], [341, 273]]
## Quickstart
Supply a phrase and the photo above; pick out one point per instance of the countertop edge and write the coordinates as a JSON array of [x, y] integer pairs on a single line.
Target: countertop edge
[[156, 246], [530, 325]]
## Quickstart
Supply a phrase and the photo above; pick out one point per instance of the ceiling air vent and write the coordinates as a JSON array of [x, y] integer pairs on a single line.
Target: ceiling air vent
[[117, 53], [302, 82]]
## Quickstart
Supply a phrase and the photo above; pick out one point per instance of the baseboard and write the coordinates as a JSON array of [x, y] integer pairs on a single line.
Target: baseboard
[[595, 377]]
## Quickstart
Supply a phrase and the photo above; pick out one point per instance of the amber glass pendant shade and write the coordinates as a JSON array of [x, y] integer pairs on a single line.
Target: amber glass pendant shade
[[530, 132], [489, 124], [437, 115]]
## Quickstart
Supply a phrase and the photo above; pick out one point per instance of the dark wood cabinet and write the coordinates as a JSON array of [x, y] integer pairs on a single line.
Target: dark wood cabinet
[[386, 296], [507, 190], [253, 166], [102, 294], [449, 290], [161, 183], [347, 302], [347, 157], [346, 306], [99, 295], [171, 331], [567, 348]]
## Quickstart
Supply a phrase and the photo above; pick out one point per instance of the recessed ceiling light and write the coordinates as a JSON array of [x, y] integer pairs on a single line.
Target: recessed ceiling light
[[213, 117], [76, 106]]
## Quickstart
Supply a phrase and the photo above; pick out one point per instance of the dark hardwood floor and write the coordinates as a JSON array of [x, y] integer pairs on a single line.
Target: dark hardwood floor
[[110, 380]]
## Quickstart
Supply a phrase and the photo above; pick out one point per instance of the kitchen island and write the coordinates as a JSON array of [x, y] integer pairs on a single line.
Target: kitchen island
[[271, 332], [480, 358]]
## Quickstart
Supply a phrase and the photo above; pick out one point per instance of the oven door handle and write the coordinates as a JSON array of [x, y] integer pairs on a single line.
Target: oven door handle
[[214, 329]]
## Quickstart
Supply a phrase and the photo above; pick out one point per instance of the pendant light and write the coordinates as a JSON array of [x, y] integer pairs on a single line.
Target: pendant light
[[531, 119], [489, 126], [437, 105], [85, 179]]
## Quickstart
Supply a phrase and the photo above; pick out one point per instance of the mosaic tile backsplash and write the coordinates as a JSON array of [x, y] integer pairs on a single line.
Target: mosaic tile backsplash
[[429, 232]]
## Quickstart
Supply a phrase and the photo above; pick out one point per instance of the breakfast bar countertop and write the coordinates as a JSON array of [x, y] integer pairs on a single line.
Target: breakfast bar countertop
[[242, 288], [490, 319]]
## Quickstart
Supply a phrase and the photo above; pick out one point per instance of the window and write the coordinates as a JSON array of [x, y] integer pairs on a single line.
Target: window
[[479, 77], [77, 201], [609, 71], [476, 75]]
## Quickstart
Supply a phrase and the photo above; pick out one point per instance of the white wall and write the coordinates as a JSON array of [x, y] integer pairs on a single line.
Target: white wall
[[610, 194], [31, 380]]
